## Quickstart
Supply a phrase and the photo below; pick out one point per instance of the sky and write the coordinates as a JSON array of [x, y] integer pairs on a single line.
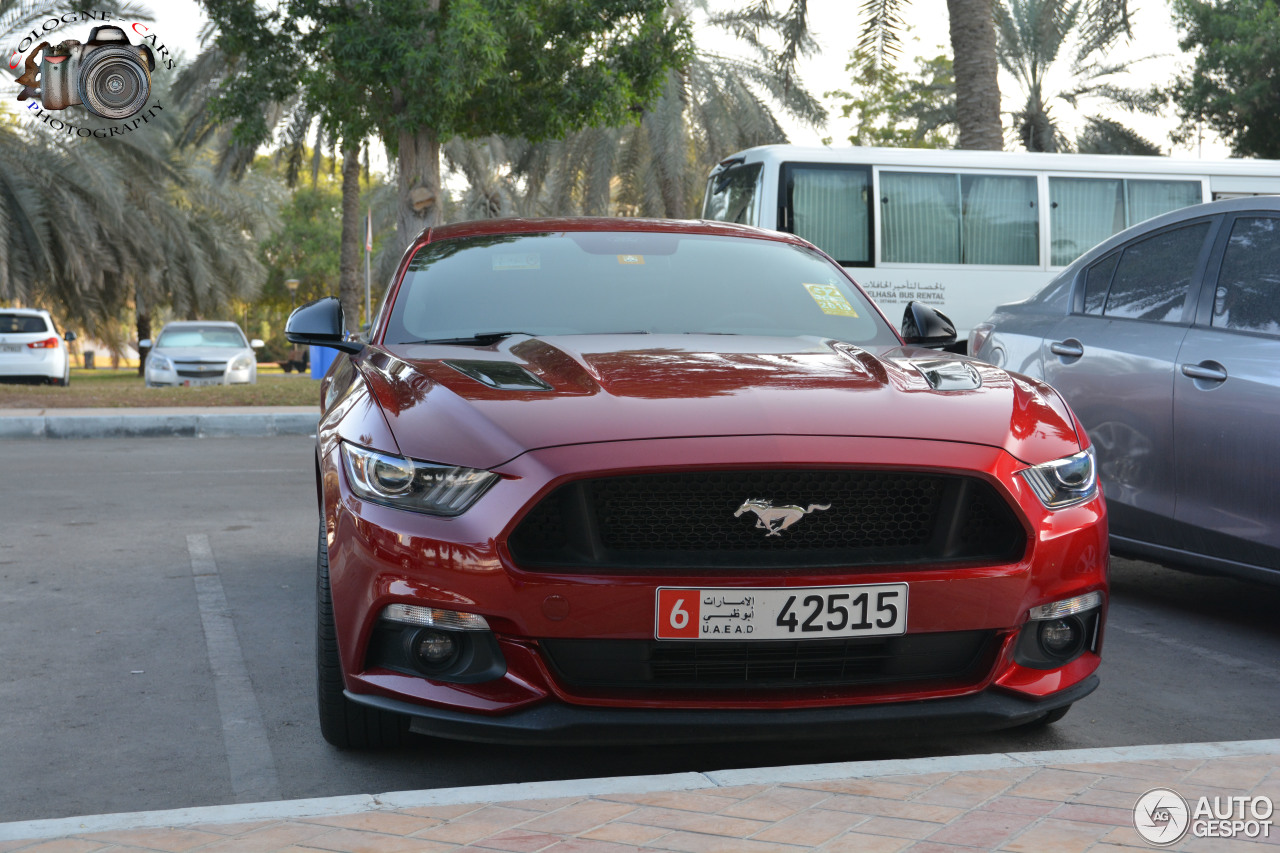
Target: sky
[[835, 24]]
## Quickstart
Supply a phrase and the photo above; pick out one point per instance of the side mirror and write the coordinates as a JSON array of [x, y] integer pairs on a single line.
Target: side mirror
[[69, 336], [256, 343], [321, 324], [144, 344], [927, 326]]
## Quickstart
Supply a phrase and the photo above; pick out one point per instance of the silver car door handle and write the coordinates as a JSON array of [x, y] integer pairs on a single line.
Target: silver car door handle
[[1071, 348], [1208, 370]]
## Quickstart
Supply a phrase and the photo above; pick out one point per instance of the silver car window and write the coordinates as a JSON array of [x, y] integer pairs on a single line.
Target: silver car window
[[1248, 293], [1154, 275]]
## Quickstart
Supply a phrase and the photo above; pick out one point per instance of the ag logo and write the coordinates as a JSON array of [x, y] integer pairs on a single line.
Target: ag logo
[[1161, 817]]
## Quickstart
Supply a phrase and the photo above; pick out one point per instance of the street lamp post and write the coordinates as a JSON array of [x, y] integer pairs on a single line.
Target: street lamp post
[[292, 284]]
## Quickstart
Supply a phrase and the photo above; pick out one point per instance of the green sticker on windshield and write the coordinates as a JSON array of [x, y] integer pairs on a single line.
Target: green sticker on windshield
[[831, 300]]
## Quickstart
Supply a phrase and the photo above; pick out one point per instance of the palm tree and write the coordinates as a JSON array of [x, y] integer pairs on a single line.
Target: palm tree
[[1041, 37], [714, 105]]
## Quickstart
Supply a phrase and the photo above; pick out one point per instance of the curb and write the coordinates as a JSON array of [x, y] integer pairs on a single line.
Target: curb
[[167, 425], [584, 788]]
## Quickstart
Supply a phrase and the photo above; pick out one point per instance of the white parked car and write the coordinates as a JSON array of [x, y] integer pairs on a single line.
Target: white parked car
[[201, 353], [31, 349]]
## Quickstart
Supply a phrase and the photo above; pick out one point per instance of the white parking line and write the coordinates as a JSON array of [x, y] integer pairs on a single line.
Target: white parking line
[[253, 769]]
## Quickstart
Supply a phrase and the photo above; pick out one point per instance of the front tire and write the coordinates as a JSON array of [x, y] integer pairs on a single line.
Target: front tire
[[344, 723]]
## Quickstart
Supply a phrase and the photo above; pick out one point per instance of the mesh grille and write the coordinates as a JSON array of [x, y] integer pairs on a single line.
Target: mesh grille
[[805, 519], [650, 664]]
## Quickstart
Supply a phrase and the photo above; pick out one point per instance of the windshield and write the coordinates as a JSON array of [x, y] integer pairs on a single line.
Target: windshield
[[22, 324], [731, 195], [608, 282], [202, 336]]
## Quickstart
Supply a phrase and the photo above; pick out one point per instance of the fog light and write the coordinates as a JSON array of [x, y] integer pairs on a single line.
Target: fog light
[[1062, 638], [435, 649]]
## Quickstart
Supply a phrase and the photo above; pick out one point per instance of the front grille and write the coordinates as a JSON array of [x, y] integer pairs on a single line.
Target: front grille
[[649, 664], [697, 520], [199, 371]]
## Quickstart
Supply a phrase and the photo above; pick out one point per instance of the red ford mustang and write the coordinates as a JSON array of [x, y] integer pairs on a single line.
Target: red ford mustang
[[608, 480]]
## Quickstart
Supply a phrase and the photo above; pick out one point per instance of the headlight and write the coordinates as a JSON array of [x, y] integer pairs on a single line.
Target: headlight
[[412, 484], [1064, 482], [242, 362], [159, 362]]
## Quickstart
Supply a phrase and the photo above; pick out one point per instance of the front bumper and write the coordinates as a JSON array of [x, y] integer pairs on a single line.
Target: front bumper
[[560, 724], [379, 556], [171, 378]]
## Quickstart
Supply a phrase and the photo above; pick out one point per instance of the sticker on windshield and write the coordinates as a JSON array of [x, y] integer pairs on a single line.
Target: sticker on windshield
[[831, 300], [634, 260], [519, 261]]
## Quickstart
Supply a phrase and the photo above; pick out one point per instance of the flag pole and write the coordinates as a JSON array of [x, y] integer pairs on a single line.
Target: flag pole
[[368, 249]]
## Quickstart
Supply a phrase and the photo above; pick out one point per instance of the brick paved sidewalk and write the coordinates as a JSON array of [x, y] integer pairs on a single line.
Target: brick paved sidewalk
[[1076, 800]]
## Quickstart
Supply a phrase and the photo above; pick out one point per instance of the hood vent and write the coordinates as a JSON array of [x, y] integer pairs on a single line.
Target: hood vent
[[502, 375], [948, 374]]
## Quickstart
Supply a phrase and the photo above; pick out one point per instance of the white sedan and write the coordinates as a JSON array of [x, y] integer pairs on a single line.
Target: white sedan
[[31, 349], [201, 353]]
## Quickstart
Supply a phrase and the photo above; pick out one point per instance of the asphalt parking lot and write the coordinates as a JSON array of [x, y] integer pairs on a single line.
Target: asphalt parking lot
[[156, 605]]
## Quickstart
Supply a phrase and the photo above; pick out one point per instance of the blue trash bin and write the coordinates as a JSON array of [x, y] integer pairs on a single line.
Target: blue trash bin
[[321, 358]]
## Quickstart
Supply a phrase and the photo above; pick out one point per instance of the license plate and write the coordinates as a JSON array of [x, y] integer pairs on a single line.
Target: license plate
[[194, 382], [805, 613], [10, 347]]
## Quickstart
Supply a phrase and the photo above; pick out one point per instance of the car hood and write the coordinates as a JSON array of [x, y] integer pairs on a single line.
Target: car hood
[[482, 406]]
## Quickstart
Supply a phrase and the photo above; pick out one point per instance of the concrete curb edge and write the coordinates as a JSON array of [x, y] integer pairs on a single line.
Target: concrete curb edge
[[580, 788]]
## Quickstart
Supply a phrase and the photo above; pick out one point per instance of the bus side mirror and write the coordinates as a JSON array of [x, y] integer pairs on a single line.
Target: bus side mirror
[[927, 326]]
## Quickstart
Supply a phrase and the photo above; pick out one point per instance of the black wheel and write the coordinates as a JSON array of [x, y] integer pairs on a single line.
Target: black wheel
[[344, 723], [288, 366]]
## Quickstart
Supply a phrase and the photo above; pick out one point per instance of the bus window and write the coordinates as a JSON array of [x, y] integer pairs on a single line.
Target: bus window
[[830, 207], [1000, 224], [944, 218], [1152, 198], [731, 195], [1086, 211]]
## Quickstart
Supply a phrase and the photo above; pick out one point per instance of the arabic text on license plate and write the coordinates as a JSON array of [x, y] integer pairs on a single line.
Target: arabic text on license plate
[[10, 347], [195, 382], [804, 613]]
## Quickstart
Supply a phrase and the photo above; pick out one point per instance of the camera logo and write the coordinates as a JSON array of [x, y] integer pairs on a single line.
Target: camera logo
[[1161, 817], [108, 74]]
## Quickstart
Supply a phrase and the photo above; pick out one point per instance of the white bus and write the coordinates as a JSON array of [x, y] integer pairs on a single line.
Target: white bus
[[962, 231]]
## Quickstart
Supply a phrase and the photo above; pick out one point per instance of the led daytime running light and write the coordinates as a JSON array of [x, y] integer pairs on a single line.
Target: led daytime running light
[[1066, 607], [431, 617]]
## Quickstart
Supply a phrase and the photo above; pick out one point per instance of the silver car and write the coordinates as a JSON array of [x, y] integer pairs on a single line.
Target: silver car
[[1165, 340], [201, 353]]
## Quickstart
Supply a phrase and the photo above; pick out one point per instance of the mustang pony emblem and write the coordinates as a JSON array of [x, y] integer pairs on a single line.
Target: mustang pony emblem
[[775, 519]]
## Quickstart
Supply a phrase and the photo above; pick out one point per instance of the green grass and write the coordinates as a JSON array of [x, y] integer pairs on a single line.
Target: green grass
[[124, 388]]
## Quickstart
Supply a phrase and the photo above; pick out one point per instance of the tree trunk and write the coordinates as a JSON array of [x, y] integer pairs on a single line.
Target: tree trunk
[[973, 44], [350, 284], [144, 333], [418, 181]]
